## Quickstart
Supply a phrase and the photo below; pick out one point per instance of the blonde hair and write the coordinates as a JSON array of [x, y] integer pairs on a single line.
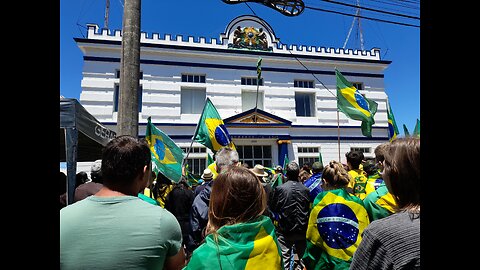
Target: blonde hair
[[335, 174]]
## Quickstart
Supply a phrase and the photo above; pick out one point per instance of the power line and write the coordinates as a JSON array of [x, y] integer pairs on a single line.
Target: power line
[[300, 62], [384, 8], [363, 17], [371, 9], [394, 4]]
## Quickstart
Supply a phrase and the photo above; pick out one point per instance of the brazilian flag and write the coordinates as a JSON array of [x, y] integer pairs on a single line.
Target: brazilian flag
[[285, 163], [405, 131], [337, 221], [392, 125], [354, 105], [190, 177], [259, 69], [380, 203], [209, 159], [167, 157], [242, 246], [416, 130], [211, 130]]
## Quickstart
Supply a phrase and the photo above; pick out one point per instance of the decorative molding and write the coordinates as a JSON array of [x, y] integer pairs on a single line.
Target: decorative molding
[[94, 32], [263, 118]]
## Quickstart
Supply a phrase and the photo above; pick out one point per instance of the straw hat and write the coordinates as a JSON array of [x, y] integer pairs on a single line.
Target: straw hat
[[207, 175], [259, 170]]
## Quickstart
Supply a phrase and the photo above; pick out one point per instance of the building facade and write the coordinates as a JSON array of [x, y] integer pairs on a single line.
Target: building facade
[[296, 107]]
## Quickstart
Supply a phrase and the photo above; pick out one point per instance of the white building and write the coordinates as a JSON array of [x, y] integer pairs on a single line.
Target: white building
[[296, 113]]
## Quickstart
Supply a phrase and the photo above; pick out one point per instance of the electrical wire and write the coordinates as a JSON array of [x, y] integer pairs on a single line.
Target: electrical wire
[[371, 9], [363, 17]]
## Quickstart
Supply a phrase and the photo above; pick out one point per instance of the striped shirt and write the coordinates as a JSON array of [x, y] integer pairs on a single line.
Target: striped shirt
[[392, 242]]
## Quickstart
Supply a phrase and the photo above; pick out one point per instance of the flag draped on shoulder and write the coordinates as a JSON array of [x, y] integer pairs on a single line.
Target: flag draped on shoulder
[[392, 125], [335, 226], [242, 246], [354, 105], [211, 130], [167, 157], [380, 203]]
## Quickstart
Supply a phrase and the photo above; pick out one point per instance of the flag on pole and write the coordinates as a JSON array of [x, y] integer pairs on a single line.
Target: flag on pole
[[416, 131], [259, 69], [285, 163], [209, 159], [405, 130], [392, 125], [167, 157], [320, 158], [211, 130], [189, 176], [354, 105]]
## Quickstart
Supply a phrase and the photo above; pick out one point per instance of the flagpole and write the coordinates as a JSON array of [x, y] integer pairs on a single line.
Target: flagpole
[[338, 124], [188, 151], [195, 133], [259, 75], [256, 103]]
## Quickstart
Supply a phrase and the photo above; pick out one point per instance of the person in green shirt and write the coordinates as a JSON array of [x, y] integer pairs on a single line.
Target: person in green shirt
[[114, 228]]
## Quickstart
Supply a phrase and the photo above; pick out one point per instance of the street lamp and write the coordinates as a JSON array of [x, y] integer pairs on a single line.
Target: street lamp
[[287, 8]]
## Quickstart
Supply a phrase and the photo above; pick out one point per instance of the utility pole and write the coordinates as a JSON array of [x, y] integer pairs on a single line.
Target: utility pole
[[127, 121]]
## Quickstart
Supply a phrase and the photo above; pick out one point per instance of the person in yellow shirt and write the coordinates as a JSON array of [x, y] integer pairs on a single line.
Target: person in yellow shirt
[[358, 185], [162, 187]]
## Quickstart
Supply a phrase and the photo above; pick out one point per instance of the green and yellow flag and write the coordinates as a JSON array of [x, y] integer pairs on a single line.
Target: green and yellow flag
[[167, 157], [191, 179], [405, 130], [209, 159], [259, 69], [242, 246], [380, 203], [211, 130], [285, 163], [392, 124], [416, 131], [337, 221], [354, 105]]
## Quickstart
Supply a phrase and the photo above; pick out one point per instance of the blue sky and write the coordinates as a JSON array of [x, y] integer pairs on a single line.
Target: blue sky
[[208, 18]]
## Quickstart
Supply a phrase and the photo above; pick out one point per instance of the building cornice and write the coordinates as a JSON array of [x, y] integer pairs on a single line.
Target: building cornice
[[95, 35]]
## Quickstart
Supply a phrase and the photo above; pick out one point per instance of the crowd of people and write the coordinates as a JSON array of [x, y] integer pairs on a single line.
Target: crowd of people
[[364, 214]]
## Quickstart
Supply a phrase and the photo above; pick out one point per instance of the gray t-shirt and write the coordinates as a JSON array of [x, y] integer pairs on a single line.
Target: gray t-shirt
[[392, 242], [117, 233]]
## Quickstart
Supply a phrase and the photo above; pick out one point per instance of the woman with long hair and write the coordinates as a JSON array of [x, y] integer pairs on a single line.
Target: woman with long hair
[[393, 242], [238, 235]]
